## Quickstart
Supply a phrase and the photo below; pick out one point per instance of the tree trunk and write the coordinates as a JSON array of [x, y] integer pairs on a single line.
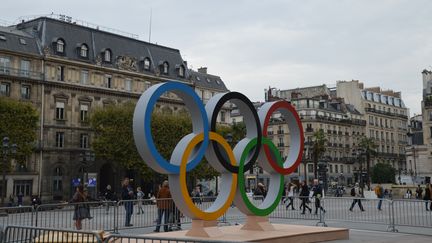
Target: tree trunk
[[368, 170], [315, 158], [305, 170]]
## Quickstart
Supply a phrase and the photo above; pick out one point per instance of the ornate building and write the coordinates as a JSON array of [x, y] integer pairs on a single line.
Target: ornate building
[[67, 70]]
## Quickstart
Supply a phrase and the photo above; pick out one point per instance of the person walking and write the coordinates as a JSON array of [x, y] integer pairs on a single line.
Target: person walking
[[140, 197], [260, 191], [356, 192], [196, 195], [164, 204], [427, 196], [81, 210], [127, 195], [317, 194], [304, 196], [419, 192], [108, 196], [290, 195], [379, 192]]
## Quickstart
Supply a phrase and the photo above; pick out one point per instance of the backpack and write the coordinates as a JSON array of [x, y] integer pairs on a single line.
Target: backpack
[[353, 192]]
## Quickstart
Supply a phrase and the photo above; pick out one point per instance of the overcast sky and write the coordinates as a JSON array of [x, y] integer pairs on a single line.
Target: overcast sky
[[283, 44]]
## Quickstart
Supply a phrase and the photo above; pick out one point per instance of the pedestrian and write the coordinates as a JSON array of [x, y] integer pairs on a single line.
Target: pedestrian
[[419, 192], [81, 209], [290, 195], [108, 196], [20, 199], [164, 204], [196, 195], [317, 194], [427, 196], [304, 196], [11, 200], [176, 217], [408, 194], [127, 196], [260, 191], [140, 197], [356, 192], [379, 192]]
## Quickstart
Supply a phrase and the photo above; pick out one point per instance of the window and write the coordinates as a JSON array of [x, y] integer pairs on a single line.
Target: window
[[128, 84], [147, 64], [59, 139], [84, 141], [108, 81], [342, 169], [83, 112], [60, 73], [84, 51], [4, 64], [107, 55], [165, 68], [25, 68], [222, 116], [58, 180], [5, 89], [60, 110], [331, 168], [3, 38], [336, 169], [60, 45], [23, 187], [25, 92], [147, 85], [310, 168], [181, 71], [84, 77]]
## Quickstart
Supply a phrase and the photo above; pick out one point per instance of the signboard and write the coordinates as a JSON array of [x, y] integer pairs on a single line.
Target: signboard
[[76, 181], [92, 178]]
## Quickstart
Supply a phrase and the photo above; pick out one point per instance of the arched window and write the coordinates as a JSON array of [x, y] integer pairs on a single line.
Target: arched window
[[60, 46], [181, 71], [147, 64], [84, 51], [107, 55], [165, 67]]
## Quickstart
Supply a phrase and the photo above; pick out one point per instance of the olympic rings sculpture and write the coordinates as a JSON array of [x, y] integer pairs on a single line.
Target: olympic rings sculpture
[[205, 142]]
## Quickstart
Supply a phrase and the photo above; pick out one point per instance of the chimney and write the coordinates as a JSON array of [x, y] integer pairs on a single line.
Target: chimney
[[202, 70]]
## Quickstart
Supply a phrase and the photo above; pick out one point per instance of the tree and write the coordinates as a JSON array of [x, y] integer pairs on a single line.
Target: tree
[[318, 148], [19, 122], [383, 173], [369, 149]]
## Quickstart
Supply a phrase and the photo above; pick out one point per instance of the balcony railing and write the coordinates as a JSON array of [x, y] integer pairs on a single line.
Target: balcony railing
[[332, 119], [20, 73], [386, 113]]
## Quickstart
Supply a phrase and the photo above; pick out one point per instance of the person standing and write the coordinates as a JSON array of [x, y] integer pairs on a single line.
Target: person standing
[[304, 196], [196, 195], [140, 197], [427, 196], [127, 196], [260, 191], [81, 210], [379, 192], [357, 194], [108, 196], [419, 192], [20, 199], [290, 195], [317, 194], [164, 204]]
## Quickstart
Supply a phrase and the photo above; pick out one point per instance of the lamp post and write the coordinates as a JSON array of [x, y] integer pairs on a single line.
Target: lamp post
[[6, 150], [85, 158], [358, 153]]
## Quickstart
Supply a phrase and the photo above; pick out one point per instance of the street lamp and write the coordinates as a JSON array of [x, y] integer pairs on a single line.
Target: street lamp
[[6, 150], [358, 153], [85, 158]]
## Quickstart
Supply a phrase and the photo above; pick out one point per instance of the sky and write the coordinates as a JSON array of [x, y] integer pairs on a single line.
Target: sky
[[279, 43]]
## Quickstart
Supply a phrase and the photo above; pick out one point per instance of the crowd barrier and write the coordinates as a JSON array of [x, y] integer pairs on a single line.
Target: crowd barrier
[[111, 216]]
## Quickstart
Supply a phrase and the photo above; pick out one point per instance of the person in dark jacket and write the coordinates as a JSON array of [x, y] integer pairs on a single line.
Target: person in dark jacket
[[127, 195], [108, 196], [427, 196], [81, 210], [317, 194], [304, 196]]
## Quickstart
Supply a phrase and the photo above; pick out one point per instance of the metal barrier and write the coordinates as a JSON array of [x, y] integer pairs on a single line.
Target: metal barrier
[[62, 215], [17, 234], [134, 239], [295, 211], [22, 215], [412, 213]]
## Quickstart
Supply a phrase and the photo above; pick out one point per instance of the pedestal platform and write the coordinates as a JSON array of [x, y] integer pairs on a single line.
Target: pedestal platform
[[282, 233]]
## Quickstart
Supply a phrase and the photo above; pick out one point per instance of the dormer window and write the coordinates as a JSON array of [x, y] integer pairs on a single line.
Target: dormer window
[[147, 64], [165, 68], [181, 71], [107, 55], [84, 51], [60, 46]]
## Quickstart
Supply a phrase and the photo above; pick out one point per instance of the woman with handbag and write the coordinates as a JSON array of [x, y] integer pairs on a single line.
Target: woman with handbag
[[82, 210]]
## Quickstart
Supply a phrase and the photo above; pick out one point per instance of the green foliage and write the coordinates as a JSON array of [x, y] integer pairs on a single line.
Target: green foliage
[[319, 141], [19, 122], [383, 173]]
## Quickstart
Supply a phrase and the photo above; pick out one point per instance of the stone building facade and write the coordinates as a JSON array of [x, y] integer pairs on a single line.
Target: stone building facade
[[67, 70]]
